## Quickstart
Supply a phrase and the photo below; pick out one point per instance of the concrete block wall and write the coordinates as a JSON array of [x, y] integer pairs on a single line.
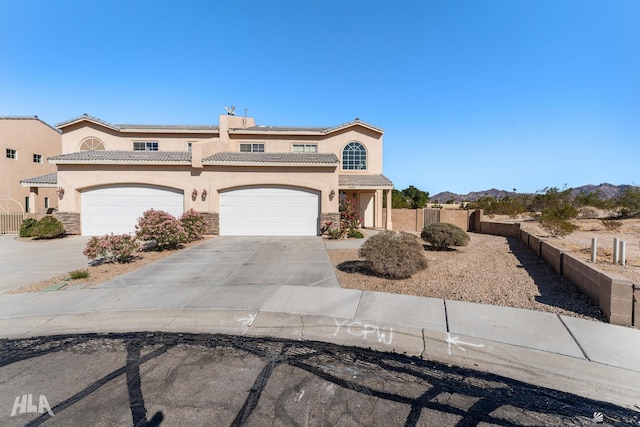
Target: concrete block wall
[[552, 255], [534, 243], [409, 220], [500, 229], [457, 217]]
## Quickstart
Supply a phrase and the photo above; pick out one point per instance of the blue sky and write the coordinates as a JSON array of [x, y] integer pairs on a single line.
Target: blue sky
[[471, 94]]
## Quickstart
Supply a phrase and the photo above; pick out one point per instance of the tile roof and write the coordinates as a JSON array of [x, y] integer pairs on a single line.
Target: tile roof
[[48, 179], [361, 180], [287, 159], [301, 130], [142, 128], [28, 118], [102, 156]]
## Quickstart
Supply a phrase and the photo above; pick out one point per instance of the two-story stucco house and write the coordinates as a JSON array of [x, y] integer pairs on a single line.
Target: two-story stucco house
[[246, 179], [25, 144]]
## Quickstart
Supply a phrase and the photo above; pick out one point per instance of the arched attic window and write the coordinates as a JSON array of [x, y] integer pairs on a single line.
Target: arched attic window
[[91, 143], [354, 157]]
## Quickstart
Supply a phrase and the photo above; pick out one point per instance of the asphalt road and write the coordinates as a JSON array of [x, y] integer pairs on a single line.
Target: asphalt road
[[165, 379]]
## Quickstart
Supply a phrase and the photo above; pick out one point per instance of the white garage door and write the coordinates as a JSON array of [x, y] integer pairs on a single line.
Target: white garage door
[[269, 212], [116, 209]]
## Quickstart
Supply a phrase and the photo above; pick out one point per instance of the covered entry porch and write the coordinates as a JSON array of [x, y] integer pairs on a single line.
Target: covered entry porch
[[366, 194]]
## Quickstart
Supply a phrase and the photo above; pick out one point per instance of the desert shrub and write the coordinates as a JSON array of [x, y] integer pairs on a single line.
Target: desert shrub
[[356, 234], [611, 224], [397, 255], [113, 248], [336, 233], [162, 227], [194, 225], [442, 235], [349, 217], [557, 227], [47, 228], [78, 274], [27, 226]]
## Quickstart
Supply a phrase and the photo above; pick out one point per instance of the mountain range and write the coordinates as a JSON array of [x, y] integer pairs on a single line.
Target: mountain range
[[608, 191]]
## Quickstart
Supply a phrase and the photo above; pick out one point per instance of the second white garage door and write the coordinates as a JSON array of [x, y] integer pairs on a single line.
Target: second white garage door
[[116, 209], [269, 212]]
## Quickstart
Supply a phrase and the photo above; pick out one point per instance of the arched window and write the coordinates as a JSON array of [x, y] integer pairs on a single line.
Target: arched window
[[354, 157], [91, 143]]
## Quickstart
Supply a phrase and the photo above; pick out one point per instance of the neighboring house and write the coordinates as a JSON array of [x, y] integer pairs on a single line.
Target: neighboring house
[[25, 144], [245, 179]]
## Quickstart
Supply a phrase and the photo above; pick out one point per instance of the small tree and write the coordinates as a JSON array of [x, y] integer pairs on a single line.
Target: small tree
[[629, 202], [417, 198], [397, 255], [442, 235]]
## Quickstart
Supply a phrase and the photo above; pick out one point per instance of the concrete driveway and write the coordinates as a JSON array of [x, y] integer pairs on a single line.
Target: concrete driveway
[[235, 261], [27, 262]]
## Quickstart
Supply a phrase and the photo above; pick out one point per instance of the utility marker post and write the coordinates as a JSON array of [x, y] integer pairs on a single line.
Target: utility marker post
[[594, 250], [623, 252], [615, 250]]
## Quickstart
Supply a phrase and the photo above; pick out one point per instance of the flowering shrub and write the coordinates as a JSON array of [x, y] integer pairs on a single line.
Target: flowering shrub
[[194, 224], [162, 227], [113, 248]]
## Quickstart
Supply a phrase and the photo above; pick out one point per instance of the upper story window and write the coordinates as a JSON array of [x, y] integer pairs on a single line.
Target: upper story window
[[91, 143], [252, 148], [354, 157], [189, 146], [305, 148], [145, 146], [37, 158], [12, 154]]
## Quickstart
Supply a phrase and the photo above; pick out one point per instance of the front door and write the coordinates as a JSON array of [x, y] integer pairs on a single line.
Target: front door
[[366, 209]]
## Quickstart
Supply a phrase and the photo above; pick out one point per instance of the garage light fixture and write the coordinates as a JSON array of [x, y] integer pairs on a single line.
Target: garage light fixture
[[194, 194], [60, 193], [332, 194], [204, 194]]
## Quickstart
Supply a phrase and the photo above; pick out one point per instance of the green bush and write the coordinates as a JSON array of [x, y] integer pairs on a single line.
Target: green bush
[[557, 227], [611, 224], [396, 255], [78, 274], [27, 226], [355, 234], [47, 228], [442, 235]]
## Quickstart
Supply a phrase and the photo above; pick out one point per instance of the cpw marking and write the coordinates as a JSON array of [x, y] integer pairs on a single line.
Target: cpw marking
[[364, 330]]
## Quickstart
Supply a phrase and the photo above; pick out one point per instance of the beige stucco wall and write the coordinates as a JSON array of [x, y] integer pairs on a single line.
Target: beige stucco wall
[[27, 136], [76, 178], [113, 140]]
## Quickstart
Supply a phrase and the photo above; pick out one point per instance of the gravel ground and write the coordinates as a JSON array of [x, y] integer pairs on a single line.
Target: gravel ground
[[491, 270]]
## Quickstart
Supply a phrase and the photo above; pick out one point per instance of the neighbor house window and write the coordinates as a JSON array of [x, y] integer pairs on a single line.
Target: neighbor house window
[[252, 148], [12, 154], [37, 158], [189, 146], [354, 157], [305, 148], [91, 143], [145, 146], [26, 204], [46, 203]]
